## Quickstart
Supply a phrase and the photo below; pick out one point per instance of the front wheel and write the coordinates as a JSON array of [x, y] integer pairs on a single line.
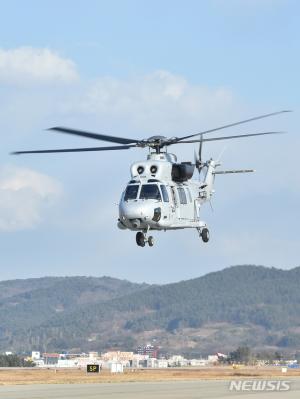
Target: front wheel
[[205, 235], [140, 239]]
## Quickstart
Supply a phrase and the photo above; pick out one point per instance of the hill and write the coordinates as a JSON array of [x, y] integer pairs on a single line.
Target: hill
[[26, 304], [240, 305]]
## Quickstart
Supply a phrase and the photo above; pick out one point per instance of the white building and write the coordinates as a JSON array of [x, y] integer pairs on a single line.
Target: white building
[[198, 362], [162, 363], [35, 355], [213, 359], [67, 363], [177, 361], [116, 368]]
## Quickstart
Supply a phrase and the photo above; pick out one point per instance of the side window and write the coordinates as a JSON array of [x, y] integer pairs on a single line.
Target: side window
[[189, 194], [164, 193], [174, 196], [182, 195]]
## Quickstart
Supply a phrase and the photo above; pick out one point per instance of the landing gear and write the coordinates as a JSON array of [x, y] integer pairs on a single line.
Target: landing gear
[[141, 239], [150, 241], [205, 234]]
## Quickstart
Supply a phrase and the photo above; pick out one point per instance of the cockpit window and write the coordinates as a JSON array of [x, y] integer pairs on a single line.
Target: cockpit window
[[164, 193], [131, 192], [150, 191]]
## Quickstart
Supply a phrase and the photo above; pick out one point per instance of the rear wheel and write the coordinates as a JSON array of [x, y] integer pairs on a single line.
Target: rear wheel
[[140, 239], [205, 235]]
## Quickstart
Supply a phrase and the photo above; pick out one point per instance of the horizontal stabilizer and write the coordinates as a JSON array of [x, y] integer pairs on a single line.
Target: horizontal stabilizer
[[225, 172]]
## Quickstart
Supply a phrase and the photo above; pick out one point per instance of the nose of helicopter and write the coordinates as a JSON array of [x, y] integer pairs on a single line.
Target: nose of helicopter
[[138, 213], [136, 210]]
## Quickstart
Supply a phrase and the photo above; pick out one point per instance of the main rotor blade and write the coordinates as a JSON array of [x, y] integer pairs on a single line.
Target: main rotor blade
[[226, 172], [230, 125], [229, 137], [120, 147], [97, 136]]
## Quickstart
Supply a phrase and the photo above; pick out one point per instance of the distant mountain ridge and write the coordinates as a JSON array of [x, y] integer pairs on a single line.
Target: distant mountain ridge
[[248, 304], [25, 304]]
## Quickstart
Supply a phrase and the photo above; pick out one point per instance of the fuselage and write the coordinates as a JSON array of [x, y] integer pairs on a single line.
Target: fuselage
[[162, 196]]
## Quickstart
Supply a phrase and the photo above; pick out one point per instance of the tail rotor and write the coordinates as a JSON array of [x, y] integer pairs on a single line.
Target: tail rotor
[[198, 157]]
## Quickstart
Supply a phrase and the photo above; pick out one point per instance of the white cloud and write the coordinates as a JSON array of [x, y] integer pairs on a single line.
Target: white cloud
[[25, 65], [24, 194], [160, 101]]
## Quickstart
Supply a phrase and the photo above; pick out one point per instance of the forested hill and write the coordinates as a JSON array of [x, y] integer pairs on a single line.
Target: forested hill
[[25, 304], [255, 305]]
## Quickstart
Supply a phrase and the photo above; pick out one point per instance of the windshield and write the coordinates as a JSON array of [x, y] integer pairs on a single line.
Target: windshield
[[131, 192], [150, 191]]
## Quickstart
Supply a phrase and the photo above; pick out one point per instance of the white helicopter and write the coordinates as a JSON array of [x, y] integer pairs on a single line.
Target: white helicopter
[[161, 194]]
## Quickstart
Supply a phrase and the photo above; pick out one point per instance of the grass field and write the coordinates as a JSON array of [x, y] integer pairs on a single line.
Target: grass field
[[72, 376]]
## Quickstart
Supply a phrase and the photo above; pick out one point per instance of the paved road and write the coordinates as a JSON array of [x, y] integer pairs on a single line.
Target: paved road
[[139, 390]]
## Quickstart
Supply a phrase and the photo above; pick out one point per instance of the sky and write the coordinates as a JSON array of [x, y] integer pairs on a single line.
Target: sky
[[136, 69]]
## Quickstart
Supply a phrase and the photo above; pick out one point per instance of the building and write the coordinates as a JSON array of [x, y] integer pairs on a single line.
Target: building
[[212, 359], [198, 362], [117, 356], [51, 358], [116, 367], [35, 355], [93, 355], [150, 350], [177, 361]]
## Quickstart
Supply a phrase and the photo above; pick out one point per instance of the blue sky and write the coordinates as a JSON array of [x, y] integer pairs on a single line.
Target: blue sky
[[138, 68]]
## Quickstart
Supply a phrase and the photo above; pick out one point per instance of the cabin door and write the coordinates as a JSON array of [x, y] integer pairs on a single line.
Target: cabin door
[[175, 208]]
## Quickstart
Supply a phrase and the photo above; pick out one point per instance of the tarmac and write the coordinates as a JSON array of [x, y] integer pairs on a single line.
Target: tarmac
[[143, 390]]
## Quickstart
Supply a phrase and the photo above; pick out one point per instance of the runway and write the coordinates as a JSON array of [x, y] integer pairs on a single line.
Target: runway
[[144, 390]]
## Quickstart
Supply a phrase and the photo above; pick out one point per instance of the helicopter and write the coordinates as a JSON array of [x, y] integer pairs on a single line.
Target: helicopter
[[161, 194]]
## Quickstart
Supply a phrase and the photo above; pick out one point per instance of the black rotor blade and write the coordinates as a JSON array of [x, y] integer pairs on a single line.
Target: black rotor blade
[[230, 125], [228, 137], [97, 136], [120, 147], [200, 148]]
